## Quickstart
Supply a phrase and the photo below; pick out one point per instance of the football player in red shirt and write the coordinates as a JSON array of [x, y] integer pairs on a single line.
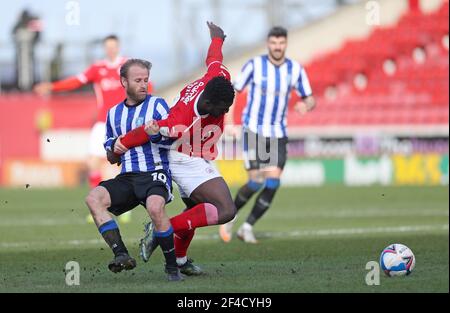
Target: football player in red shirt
[[104, 75], [195, 123]]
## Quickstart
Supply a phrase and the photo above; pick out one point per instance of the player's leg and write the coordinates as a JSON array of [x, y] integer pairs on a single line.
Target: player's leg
[[254, 184], [154, 189], [95, 160], [94, 177], [251, 142], [272, 174], [113, 196], [163, 231], [244, 194], [262, 204], [98, 202], [193, 176], [215, 206], [182, 240], [252, 162], [200, 181]]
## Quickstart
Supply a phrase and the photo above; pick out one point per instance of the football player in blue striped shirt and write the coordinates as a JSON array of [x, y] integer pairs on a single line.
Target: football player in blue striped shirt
[[270, 79], [145, 177]]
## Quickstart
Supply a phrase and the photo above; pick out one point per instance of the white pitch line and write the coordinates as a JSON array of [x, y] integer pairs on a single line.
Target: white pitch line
[[292, 234], [364, 214], [39, 221]]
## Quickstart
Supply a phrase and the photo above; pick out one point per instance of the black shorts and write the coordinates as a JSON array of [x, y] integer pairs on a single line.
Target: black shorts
[[261, 152], [128, 190]]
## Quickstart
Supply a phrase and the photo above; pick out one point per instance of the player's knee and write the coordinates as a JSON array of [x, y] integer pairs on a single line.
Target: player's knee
[[155, 212], [228, 212], [95, 200], [91, 200], [155, 209], [228, 217]]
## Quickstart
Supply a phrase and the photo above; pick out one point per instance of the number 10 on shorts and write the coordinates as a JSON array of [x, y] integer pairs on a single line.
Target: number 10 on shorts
[[159, 177]]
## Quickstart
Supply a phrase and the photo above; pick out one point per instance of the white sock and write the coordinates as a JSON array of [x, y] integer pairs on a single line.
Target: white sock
[[181, 261], [247, 226]]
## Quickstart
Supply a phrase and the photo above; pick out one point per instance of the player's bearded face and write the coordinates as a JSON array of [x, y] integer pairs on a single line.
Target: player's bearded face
[[136, 83], [277, 47]]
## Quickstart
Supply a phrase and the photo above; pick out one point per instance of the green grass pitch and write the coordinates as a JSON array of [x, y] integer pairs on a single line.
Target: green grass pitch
[[311, 240]]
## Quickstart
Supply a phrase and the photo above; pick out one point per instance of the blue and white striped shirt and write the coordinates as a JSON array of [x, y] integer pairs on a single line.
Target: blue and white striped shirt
[[269, 91], [122, 119]]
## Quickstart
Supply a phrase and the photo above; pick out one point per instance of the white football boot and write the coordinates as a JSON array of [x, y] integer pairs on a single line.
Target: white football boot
[[245, 233]]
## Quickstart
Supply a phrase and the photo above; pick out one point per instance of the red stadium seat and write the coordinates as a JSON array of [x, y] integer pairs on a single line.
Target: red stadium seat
[[413, 94]]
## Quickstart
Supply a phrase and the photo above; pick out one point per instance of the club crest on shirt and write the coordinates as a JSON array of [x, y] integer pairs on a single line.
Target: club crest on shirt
[[139, 121], [289, 78]]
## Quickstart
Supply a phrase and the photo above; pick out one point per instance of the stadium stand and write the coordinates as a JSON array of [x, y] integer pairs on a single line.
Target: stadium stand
[[397, 75]]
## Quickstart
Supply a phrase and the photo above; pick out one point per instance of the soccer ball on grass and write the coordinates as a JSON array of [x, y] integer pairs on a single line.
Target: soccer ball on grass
[[397, 260]]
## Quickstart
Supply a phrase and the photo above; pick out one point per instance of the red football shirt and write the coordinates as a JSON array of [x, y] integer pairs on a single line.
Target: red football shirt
[[197, 134], [106, 79]]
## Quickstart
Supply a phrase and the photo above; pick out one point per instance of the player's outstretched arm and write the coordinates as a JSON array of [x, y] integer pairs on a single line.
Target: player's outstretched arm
[[151, 131], [67, 84], [138, 137], [215, 48]]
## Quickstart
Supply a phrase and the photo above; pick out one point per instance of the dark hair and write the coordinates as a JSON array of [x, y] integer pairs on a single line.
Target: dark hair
[[277, 31], [129, 63], [112, 37], [219, 89]]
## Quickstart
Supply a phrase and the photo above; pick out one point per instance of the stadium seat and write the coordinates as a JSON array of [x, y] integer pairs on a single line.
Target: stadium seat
[[415, 93]]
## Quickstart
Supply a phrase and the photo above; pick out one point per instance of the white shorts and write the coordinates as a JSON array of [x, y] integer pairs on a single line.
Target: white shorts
[[96, 139], [190, 172]]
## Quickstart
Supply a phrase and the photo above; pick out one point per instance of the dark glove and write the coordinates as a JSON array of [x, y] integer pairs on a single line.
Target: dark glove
[[215, 31], [113, 158]]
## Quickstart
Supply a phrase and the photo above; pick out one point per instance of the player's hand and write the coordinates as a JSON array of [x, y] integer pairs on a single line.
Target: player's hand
[[112, 157], [152, 128], [301, 108], [43, 89], [215, 31], [119, 148], [306, 105]]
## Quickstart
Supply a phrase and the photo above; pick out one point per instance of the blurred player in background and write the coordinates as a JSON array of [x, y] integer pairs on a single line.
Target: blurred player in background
[[196, 121], [144, 178], [104, 74], [270, 79]]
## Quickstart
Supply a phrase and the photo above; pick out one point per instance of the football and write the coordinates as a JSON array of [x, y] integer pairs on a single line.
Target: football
[[397, 260]]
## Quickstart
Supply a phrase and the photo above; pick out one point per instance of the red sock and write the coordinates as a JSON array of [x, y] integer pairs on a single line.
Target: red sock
[[95, 177], [203, 214], [182, 241]]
